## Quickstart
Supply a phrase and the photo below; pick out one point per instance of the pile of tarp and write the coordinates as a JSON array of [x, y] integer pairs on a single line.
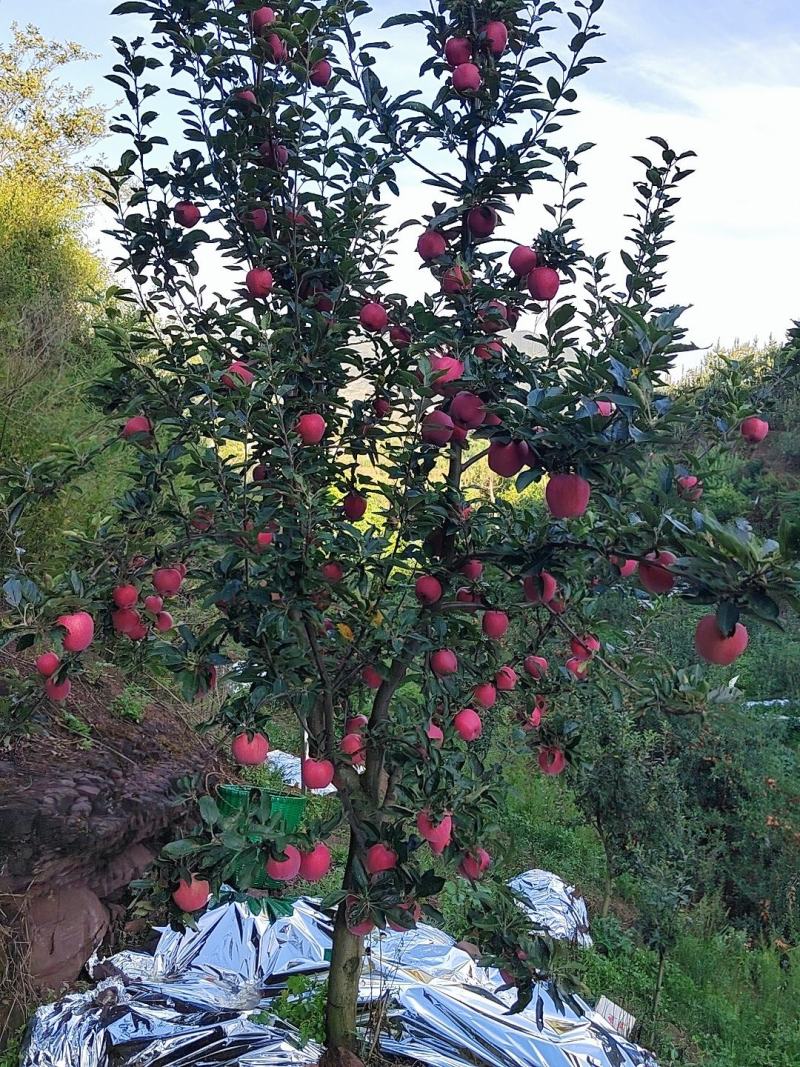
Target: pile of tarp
[[203, 998]]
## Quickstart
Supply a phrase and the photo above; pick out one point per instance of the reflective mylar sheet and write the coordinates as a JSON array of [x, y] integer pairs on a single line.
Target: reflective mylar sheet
[[193, 1002], [554, 905]]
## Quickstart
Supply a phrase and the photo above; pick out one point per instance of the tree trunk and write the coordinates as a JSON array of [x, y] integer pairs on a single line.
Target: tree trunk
[[609, 887], [662, 962], [345, 971]]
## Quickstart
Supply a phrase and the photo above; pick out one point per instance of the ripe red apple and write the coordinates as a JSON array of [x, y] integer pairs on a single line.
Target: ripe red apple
[[578, 667], [494, 316], [485, 694], [380, 858], [437, 428], [245, 97], [276, 50], [437, 834], [317, 773], [332, 571], [536, 713], [444, 662], [354, 506], [186, 214], [167, 581], [125, 621], [494, 624], [257, 217], [468, 410], [80, 630], [258, 282], [202, 519], [482, 221], [321, 73], [314, 865], [237, 376], [466, 78], [310, 428], [626, 567], [47, 664], [136, 424], [754, 429], [505, 679], [434, 734], [125, 596], [164, 622], [259, 473], [459, 434], [567, 495], [353, 745], [250, 750], [543, 283], [354, 724], [445, 369], [373, 317], [264, 539], [381, 407], [465, 595], [416, 914], [508, 459], [540, 588], [192, 895], [273, 154], [431, 245], [522, 260], [536, 666], [472, 570], [557, 605], [653, 575], [714, 646], [57, 691], [467, 724], [690, 487], [261, 17], [400, 336], [605, 409], [495, 36], [584, 647], [286, 869], [475, 864], [489, 350], [428, 589], [455, 280], [552, 760], [371, 677], [364, 926], [458, 50]]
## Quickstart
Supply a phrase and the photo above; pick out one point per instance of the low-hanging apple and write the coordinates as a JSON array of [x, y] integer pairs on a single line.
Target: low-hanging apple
[[754, 429], [438, 834], [522, 260], [431, 245], [494, 624], [164, 622], [167, 581], [584, 647], [314, 865], [192, 895], [567, 495], [543, 283], [578, 667], [485, 694], [250, 749], [57, 691], [506, 679], [80, 630], [125, 596], [380, 858], [428, 590], [317, 773], [47, 664], [467, 724], [286, 869], [536, 666], [472, 569], [444, 662], [654, 573], [353, 745], [715, 646], [310, 428], [689, 487], [475, 864], [552, 760]]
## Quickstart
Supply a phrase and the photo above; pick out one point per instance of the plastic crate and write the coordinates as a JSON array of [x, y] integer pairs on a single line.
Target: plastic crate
[[235, 798]]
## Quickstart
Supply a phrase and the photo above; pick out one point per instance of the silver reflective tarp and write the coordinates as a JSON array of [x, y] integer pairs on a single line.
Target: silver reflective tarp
[[194, 1001], [553, 905]]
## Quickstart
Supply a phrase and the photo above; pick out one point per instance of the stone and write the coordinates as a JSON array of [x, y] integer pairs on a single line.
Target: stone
[[66, 925]]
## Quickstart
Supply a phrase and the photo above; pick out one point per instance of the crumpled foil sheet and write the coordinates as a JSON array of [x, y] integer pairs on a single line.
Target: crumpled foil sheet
[[192, 1003], [554, 906]]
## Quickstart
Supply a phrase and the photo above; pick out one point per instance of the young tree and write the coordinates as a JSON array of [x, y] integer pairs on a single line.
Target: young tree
[[303, 444]]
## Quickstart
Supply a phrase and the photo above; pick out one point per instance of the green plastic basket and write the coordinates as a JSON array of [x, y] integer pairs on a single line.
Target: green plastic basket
[[235, 798]]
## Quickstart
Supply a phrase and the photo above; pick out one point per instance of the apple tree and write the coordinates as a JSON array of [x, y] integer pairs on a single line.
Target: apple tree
[[302, 433]]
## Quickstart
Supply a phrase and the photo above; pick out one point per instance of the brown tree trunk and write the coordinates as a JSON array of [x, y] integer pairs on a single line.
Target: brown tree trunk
[[345, 971]]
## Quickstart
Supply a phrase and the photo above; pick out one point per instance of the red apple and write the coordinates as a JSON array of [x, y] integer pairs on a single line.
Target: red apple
[[317, 773], [371, 677], [416, 914], [164, 622], [536, 666], [482, 220], [245, 97], [258, 282], [690, 487], [653, 573], [522, 260], [552, 760], [364, 926], [354, 724], [457, 50], [259, 473], [466, 78], [494, 316], [567, 495], [314, 865], [445, 369], [605, 409], [431, 245], [543, 283], [238, 375], [373, 317], [125, 621], [540, 588], [508, 459], [47, 664], [754, 429], [153, 604], [192, 895], [489, 350], [80, 630], [202, 519], [273, 154], [286, 869], [264, 539], [437, 428], [472, 570], [332, 571], [468, 410], [428, 589], [125, 596], [310, 428], [136, 424], [475, 864], [434, 734], [257, 217], [505, 679], [380, 858], [58, 691], [186, 214], [167, 581], [584, 647], [381, 407], [321, 73], [444, 662], [354, 506], [437, 834], [485, 694], [536, 713], [714, 646], [467, 724], [276, 50], [626, 567], [494, 624], [260, 18], [495, 36], [353, 745], [455, 280], [249, 750], [400, 336], [578, 667]]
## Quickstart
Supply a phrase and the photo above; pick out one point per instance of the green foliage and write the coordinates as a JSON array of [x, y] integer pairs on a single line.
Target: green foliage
[[302, 1003], [131, 703]]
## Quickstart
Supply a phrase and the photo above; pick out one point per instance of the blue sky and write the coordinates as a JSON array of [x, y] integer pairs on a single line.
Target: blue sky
[[719, 76]]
